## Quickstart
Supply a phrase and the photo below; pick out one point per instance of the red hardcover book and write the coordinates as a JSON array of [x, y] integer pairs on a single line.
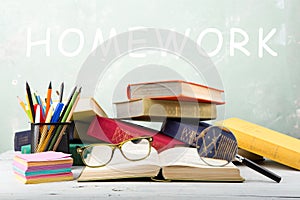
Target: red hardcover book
[[175, 90], [115, 131]]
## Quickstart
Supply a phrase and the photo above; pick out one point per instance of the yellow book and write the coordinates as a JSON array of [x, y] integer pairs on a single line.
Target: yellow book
[[265, 142], [154, 109], [178, 163]]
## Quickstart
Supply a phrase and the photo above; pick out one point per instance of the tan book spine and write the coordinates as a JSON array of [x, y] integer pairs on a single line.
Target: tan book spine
[[180, 109]]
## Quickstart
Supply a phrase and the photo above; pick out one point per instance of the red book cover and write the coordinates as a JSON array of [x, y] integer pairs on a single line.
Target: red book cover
[[115, 131]]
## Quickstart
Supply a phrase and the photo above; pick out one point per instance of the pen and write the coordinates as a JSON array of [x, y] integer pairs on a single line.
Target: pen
[[48, 100], [30, 103]]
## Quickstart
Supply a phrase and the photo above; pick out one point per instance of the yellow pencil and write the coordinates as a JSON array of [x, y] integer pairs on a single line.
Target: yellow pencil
[[30, 113], [44, 129], [22, 103], [24, 108], [47, 139]]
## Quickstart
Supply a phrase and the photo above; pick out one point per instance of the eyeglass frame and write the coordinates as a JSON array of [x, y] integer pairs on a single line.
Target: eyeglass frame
[[80, 150]]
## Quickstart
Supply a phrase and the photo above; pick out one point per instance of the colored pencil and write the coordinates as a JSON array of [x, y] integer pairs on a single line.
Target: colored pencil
[[61, 92], [30, 102], [48, 100], [62, 118], [69, 116]]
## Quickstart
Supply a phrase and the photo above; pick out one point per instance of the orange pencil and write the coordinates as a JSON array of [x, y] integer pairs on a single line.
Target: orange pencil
[[48, 100]]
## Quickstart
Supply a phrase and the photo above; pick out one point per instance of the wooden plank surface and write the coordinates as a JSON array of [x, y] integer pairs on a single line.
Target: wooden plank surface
[[255, 186]]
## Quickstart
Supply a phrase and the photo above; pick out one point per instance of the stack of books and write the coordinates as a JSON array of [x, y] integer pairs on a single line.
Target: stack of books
[[166, 102], [180, 105], [43, 167], [156, 101]]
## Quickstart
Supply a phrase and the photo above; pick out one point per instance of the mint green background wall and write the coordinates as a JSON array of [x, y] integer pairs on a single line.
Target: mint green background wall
[[261, 89]]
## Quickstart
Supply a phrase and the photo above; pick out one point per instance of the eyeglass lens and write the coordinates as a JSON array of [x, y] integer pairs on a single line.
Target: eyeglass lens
[[136, 149], [99, 155]]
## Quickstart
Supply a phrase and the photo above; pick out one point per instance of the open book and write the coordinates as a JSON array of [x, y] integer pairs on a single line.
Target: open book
[[178, 163]]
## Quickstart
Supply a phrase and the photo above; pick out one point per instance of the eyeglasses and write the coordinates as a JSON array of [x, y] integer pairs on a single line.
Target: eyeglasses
[[98, 155]]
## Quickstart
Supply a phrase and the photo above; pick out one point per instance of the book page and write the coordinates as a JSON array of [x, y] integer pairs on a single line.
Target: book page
[[120, 167], [186, 156]]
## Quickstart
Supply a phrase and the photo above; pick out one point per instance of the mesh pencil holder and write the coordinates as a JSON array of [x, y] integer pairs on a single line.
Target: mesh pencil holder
[[51, 136]]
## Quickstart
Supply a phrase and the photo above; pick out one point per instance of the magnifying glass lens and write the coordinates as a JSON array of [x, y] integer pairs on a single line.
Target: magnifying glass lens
[[216, 146]]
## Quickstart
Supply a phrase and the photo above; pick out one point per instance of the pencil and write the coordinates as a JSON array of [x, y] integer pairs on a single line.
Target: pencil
[[22, 103], [67, 104], [44, 130], [24, 108], [61, 92], [62, 118], [36, 129], [34, 101], [54, 119], [30, 102], [77, 97], [48, 100], [39, 101], [53, 128]]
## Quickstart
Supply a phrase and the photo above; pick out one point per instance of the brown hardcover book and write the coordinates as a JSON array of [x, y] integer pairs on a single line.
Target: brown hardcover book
[[156, 110], [175, 90], [178, 163]]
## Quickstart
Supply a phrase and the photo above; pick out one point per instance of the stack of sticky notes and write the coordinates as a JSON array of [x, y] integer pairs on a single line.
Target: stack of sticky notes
[[43, 167]]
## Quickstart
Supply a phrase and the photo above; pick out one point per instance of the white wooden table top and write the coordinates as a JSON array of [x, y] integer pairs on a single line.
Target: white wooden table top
[[256, 186]]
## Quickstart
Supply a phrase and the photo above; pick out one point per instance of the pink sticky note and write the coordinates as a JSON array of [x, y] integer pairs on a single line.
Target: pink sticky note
[[44, 156]]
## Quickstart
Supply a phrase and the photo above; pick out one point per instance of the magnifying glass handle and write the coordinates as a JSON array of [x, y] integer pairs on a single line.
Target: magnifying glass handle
[[258, 168]]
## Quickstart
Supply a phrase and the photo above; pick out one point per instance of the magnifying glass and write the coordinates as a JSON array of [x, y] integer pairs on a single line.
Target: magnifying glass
[[217, 146]]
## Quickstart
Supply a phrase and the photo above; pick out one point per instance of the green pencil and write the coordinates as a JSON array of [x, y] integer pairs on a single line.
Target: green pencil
[[66, 114]]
